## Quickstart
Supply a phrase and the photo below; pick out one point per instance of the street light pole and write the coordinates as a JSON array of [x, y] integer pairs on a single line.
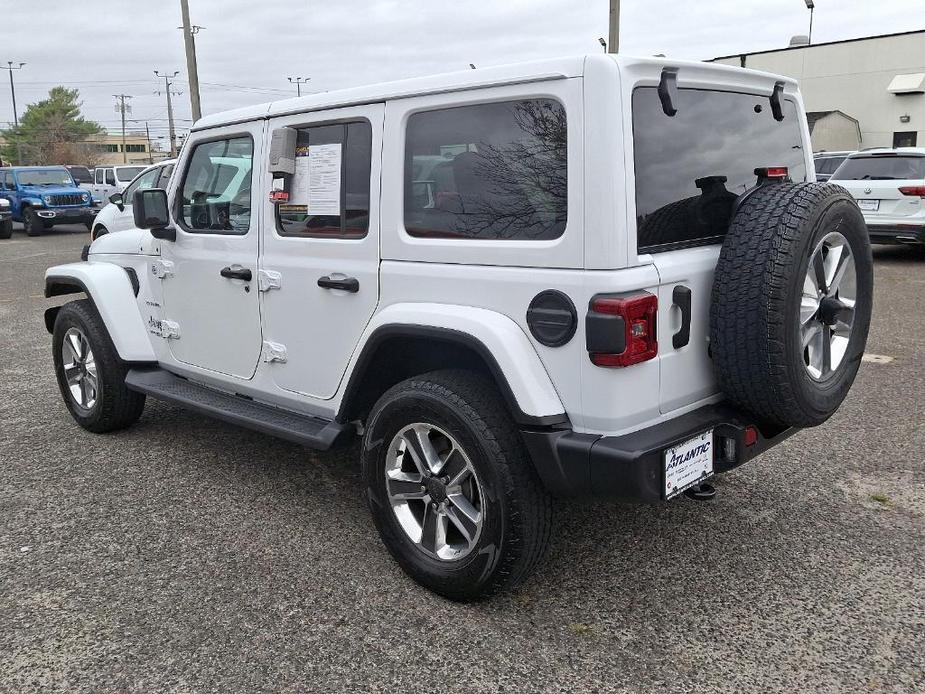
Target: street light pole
[[298, 82], [811, 6], [192, 69], [613, 42], [10, 68], [167, 86]]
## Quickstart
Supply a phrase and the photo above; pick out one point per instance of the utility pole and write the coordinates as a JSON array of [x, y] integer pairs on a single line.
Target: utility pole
[[298, 82], [121, 108], [9, 66], [167, 90], [192, 69], [613, 43], [148, 139]]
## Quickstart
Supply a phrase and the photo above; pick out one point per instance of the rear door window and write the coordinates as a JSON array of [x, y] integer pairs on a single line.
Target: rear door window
[[487, 171], [881, 167], [691, 167]]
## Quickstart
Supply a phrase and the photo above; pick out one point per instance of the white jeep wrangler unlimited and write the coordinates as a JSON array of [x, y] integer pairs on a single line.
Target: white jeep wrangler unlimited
[[589, 276]]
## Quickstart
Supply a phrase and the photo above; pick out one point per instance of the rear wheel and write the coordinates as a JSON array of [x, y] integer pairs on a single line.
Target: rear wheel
[[452, 491], [90, 374], [791, 302]]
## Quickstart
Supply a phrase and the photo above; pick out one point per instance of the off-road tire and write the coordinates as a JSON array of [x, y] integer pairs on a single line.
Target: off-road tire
[[755, 309], [517, 509], [116, 406], [32, 223], [6, 229]]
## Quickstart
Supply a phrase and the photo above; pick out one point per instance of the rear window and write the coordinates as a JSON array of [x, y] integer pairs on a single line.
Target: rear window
[[881, 167], [487, 171], [127, 173], [828, 165], [691, 167], [80, 174]]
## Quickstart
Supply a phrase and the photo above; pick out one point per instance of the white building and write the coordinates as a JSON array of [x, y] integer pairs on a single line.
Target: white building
[[859, 93]]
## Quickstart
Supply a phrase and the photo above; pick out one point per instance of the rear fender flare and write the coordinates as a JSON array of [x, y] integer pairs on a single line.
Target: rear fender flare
[[502, 344], [109, 288]]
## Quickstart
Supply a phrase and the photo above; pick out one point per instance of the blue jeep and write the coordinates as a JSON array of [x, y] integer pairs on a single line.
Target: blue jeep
[[42, 196]]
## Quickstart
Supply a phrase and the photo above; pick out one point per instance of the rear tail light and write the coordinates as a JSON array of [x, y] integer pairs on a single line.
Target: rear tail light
[[914, 191], [621, 330], [751, 435]]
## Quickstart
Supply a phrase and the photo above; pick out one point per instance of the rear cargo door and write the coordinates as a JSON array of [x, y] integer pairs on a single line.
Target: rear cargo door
[[690, 168], [876, 180]]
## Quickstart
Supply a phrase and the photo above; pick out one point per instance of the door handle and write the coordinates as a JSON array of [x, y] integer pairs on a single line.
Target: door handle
[[237, 273], [681, 296], [347, 284]]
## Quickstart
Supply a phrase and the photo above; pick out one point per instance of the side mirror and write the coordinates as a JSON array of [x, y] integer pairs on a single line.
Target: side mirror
[[149, 209], [116, 199]]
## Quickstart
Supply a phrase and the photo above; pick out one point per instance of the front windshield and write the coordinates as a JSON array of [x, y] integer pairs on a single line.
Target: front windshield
[[127, 173], [44, 177], [80, 174]]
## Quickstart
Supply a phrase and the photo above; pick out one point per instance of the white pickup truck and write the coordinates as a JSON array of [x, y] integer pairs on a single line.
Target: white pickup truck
[[591, 276]]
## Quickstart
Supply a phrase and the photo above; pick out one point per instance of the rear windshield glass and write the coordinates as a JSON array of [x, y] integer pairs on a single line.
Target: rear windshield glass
[[827, 165], [881, 167], [691, 167]]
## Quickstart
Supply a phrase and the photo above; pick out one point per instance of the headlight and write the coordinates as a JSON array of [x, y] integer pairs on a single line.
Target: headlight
[[4, 202], [85, 197], [46, 199]]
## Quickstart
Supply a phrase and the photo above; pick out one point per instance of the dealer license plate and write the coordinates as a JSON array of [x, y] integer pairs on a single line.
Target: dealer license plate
[[688, 463], [869, 205]]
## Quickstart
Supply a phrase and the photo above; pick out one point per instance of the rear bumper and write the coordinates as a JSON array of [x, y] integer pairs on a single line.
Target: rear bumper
[[896, 233], [631, 466]]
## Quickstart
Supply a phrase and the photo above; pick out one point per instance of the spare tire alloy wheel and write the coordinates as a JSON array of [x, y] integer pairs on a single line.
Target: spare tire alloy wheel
[[434, 491], [827, 306], [791, 304], [80, 369]]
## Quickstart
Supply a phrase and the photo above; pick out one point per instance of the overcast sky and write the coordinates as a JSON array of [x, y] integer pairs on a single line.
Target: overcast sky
[[249, 47]]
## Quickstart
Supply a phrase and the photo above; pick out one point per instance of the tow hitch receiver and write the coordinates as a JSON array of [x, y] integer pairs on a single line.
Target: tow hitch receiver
[[701, 492]]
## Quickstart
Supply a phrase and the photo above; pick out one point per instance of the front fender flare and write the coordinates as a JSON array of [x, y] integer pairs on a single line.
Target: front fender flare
[[109, 288], [502, 344]]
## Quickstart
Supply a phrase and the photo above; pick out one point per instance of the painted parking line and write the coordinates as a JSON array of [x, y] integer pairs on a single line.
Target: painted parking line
[[877, 358]]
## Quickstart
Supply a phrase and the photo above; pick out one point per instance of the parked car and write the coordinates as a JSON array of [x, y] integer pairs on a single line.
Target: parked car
[[827, 162], [82, 176], [616, 281], [889, 185], [42, 196], [117, 214], [112, 179], [6, 218]]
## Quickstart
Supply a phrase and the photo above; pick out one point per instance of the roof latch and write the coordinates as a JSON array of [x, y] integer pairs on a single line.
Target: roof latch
[[668, 90], [776, 107]]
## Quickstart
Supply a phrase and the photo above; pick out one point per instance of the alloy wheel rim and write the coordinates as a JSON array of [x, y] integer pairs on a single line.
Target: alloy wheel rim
[[434, 491], [827, 306], [80, 369]]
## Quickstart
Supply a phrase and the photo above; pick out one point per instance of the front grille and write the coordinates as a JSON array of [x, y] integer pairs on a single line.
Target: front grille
[[67, 199]]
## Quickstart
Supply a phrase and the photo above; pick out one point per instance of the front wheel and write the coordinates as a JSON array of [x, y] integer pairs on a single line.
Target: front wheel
[[6, 229], [32, 223], [90, 374], [451, 488]]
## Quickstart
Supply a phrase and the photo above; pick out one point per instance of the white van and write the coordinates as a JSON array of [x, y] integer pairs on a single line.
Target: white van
[[112, 179]]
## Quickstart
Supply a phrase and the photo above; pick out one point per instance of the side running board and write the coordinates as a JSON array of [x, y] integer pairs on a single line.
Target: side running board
[[313, 432]]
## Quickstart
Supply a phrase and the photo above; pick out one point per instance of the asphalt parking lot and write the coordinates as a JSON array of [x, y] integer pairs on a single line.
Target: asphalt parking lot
[[185, 555]]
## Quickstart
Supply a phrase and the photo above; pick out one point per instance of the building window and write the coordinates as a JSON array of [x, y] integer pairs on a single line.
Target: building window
[[905, 139], [110, 148], [487, 171], [135, 148]]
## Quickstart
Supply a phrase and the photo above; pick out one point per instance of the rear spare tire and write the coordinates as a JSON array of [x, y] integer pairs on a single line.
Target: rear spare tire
[[791, 302]]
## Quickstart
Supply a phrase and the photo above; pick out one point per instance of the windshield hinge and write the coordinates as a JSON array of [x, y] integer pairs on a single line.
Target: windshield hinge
[[776, 107], [274, 351], [269, 279], [161, 268], [668, 90]]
